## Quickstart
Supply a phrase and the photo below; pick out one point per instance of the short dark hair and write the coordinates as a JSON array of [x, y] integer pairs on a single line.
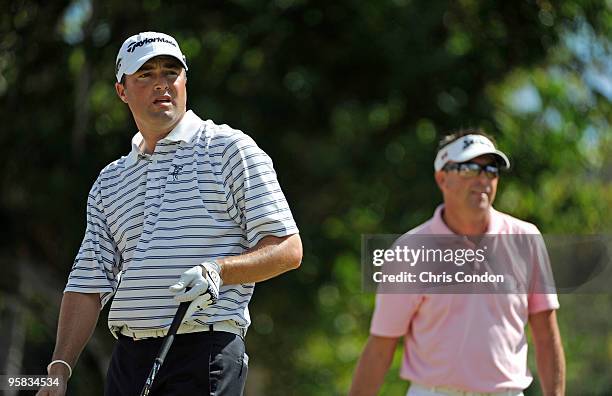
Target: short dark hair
[[454, 135], [122, 82]]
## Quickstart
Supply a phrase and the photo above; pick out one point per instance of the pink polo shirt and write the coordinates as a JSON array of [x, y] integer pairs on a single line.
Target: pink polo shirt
[[472, 342]]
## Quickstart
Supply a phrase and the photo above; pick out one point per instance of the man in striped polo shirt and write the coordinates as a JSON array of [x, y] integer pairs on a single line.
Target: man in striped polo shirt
[[194, 209], [468, 340]]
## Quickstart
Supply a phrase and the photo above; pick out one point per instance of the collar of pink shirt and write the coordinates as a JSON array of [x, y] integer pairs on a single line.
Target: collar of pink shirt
[[438, 226]]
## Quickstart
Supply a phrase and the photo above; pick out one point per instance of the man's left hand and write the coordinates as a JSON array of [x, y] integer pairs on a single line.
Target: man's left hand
[[203, 282]]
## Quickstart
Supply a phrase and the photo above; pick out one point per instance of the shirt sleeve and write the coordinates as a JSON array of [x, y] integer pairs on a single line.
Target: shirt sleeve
[[96, 265], [254, 197], [393, 313], [542, 295]]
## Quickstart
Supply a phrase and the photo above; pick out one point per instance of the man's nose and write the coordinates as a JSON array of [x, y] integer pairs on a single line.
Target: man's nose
[[482, 178], [161, 82]]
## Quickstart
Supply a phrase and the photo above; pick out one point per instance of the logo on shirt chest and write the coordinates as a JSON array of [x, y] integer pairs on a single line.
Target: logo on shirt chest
[[176, 171]]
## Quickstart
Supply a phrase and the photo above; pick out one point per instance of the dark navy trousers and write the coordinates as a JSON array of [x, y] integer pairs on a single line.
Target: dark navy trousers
[[205, 363]]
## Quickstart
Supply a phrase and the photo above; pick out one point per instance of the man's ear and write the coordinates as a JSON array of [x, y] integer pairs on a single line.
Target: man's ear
[[120, 89], [440, 177]]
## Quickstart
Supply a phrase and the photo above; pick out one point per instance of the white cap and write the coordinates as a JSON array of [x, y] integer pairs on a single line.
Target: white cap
[[467, 147], [141, 47]]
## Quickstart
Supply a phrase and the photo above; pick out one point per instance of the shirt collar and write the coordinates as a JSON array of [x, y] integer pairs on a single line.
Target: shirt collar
[[184, 131], [438, 226]]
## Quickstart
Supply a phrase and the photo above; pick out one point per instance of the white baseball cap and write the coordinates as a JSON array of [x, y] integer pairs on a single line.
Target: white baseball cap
[[467, 147], [141, 47]]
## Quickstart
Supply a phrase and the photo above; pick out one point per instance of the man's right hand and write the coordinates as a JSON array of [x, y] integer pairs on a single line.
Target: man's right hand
[[373, 365], [61, 372], [59, 390], [77, 320]]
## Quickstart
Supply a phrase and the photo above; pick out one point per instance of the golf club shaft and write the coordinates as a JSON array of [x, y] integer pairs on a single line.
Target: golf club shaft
[[163, 351]]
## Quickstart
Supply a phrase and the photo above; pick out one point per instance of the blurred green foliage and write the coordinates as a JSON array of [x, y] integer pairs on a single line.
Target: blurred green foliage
[[348, 98]]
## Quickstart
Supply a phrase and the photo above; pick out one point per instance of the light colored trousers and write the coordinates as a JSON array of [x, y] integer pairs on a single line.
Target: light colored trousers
[[419, 390]]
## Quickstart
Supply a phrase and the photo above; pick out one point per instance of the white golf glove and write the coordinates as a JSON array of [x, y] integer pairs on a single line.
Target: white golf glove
[[203, 282]]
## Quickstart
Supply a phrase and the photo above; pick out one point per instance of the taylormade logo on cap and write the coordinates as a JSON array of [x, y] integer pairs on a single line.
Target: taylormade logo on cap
[[141, 47], [467, 147], [140, 43]]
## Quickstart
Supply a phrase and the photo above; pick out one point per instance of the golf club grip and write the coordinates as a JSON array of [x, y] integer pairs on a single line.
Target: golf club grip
[[169, 339], [163, 351], [178, 317]]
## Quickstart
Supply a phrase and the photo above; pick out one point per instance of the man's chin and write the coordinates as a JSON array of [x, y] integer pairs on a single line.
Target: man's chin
[[169, 116], [481, 203], [163, 113]]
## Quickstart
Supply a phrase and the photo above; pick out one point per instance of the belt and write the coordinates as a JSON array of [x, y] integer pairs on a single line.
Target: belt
[[442, 390], [228, 326]]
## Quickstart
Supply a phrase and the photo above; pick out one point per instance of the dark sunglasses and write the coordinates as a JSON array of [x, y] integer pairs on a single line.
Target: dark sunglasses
[[472, 169]]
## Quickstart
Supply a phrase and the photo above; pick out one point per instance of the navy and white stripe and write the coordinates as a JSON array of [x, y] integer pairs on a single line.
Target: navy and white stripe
[[206, 192]]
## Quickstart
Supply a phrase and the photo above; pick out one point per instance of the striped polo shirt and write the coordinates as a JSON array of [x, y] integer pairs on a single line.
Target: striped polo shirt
[[208, 191]]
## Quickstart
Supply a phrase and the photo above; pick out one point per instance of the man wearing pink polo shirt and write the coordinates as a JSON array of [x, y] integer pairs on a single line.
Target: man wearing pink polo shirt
[[465, 344]]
